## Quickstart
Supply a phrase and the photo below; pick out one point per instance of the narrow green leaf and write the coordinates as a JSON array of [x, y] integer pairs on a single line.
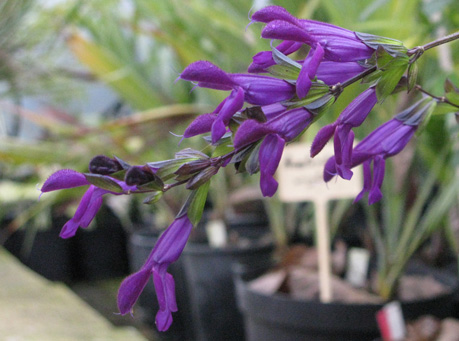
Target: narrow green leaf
[[198, 200], [103, 182]]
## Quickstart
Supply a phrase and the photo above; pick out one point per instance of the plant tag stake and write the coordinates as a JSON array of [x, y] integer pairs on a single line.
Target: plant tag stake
[[301, 179], [391, 322], [357, 266]]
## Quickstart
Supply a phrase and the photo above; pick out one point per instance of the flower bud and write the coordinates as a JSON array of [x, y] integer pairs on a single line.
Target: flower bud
[[104, 165]]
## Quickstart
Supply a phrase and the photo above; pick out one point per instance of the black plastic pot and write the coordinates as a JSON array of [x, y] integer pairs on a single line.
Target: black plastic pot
[[210, 282], [280, 317], [101, 252], [141, 243], [44, 252]]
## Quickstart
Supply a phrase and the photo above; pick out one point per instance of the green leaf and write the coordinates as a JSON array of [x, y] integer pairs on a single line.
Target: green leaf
[[453, 97], [392, 46], [153, 198], [103, 182], [449, 86], [197, 201], [317, 91], [390, 77]]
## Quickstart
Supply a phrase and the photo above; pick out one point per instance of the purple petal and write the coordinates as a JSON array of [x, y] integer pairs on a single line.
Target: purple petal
[[171, 243], [69, 229], [72, 225], [321, 139], [290, 123], [269, 157], [233, 103], [207, 75], [367, 180], [263, 90], [357, 111], [398, 140], [165, 292], [308, 71], [131, 288], [271, 13], [202, 124], [92, 209], [249, 132], [332, 73], [375, 192], [62, 179], [343, 152], [330, 169], [284, 30]]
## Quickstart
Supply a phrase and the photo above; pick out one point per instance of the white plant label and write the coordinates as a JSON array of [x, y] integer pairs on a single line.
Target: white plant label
[[357, 266], [301, 177], [216, 233]]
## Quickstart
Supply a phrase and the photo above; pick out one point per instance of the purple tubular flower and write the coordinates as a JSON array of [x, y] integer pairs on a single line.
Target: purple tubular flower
[[387, 140], [166, 251], [90, 202], [352, 116], [339, 44], [254, 89], [281, 127]]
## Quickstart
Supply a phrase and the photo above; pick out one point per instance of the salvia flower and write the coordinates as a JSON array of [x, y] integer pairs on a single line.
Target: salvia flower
[[386, 141], [282, 126], [253, 89], [167, 250], [351, 117], [91, 200], [327, 43]]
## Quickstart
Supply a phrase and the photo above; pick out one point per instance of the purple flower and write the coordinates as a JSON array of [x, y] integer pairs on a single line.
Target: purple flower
[[166, 251], [387, 140], [328, 43], [339, 44], [282, 126], [90, 202], [352, 116], [254, 89]]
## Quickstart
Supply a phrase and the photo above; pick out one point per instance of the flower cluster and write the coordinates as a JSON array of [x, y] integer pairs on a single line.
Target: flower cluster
[[260, 115]]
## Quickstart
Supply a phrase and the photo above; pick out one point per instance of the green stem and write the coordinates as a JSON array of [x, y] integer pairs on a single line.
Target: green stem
[[340, 86], [441, 99]]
